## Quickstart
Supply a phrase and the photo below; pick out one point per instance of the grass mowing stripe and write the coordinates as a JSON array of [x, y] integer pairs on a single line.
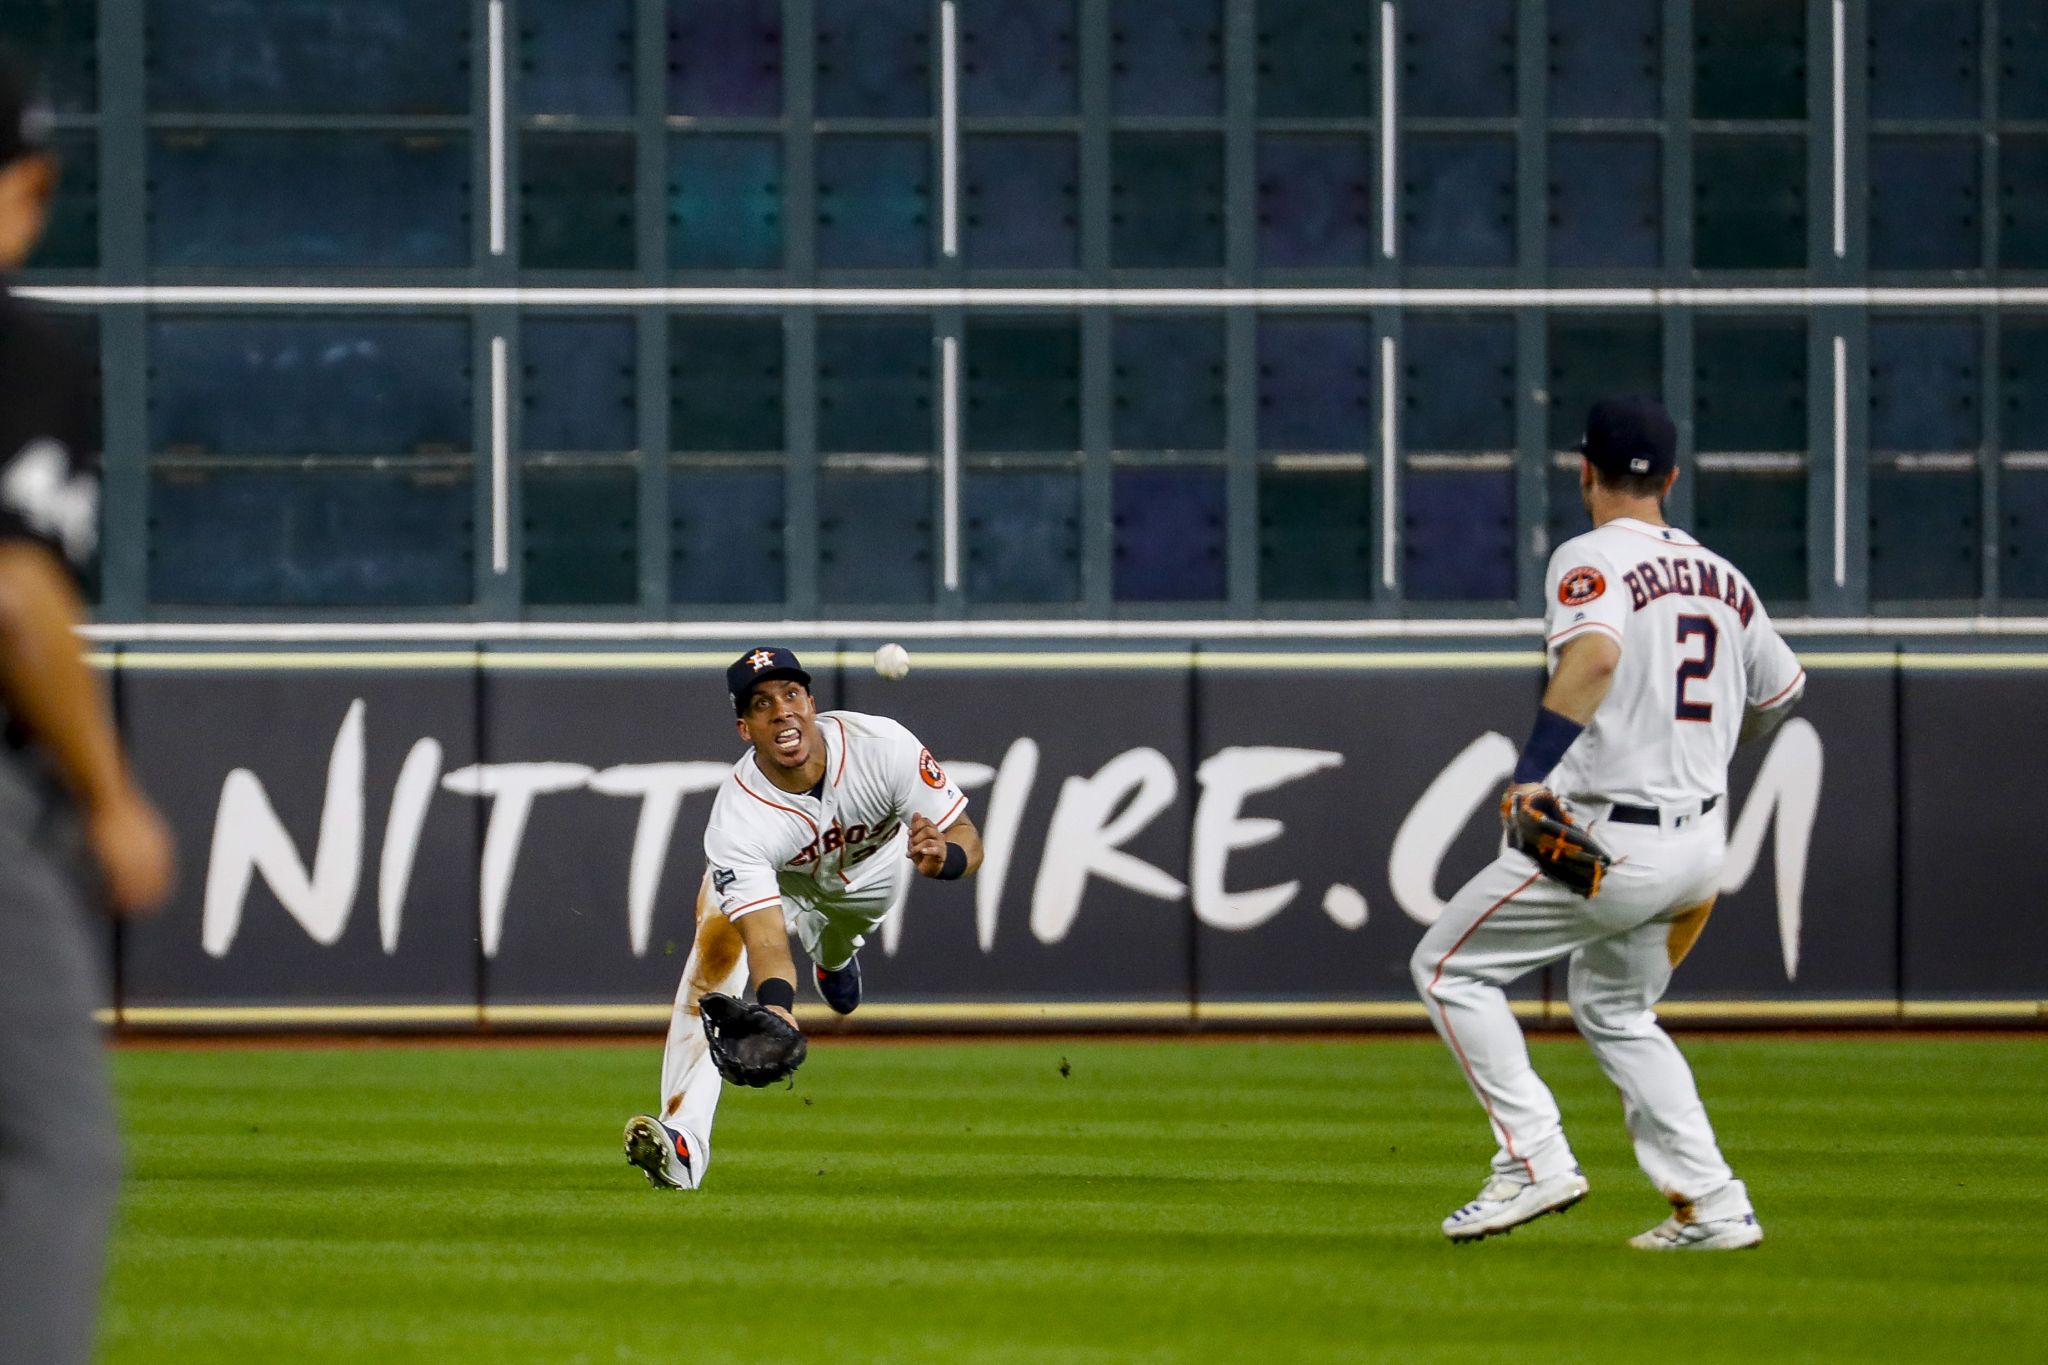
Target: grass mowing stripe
[[966, 1202]]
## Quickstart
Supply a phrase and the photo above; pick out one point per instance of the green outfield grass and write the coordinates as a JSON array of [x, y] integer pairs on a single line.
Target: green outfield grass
[[965, 1202]]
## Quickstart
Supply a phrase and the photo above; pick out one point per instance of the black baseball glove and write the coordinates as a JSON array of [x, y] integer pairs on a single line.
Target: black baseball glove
[[1540, 826], [750, 1044]]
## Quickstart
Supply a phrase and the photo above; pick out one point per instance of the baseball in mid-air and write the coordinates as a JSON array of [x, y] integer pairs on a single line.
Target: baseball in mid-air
[[892, 661]]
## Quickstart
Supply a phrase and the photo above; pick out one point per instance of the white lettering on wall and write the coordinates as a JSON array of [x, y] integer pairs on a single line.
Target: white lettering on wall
[[511, 788], [1086, 839], [1788, 787], [409, 800], [249, 838], [1475, 777], [661, 788], [1227, 777]]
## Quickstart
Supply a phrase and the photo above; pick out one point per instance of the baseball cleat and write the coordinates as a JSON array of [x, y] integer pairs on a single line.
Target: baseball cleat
[[1505, 1203], [1677, 1233], [661, 1153], [841, 989]]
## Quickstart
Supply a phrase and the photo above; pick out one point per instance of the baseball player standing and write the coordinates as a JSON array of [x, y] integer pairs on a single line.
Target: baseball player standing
[[1661, 660], [816, 834], [75, 833]]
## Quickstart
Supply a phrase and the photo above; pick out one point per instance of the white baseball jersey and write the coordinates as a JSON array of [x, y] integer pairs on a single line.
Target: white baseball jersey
[[1697, 649], [837, 843]]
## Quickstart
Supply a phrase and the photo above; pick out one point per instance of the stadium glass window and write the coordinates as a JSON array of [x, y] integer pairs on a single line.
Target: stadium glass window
[[1316, 384], [2022, 59], [725, 58], [874, 201], [874, 59], [576, 200], [1749, 59], [311, 199], [1315, 59], [339, 533], [1750, 427], [1925, 197], [1166, 57], [1168, 533], [575, 57], [875, 536], [1606, 58], [71, 237], [1166, 383], [1018, 58], [1021, 534], [2023, 472], [1925, 59], [309, 386], [295, 57], [579, 531], [1458, 199], [726, 383], [1316, 530], [1315, 201], [726, 535], [1020, 201], [1749, 201], [1458, 60], [1457, 485], [63, 35], [1166, 200], [577, 384], [875, 384], [1606, 201], [2023, 202], [1023, 384], [1925, 503], [725, 201]]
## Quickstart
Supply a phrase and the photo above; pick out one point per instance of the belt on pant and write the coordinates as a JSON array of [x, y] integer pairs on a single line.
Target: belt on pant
[[1650, 815]]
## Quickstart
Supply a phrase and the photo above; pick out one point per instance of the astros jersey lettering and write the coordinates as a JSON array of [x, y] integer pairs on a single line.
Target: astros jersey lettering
[[843, 843], [1697, 649]]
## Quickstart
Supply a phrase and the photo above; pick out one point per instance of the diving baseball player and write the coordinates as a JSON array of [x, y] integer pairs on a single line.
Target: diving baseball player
[[816, 833], [1662, 660]]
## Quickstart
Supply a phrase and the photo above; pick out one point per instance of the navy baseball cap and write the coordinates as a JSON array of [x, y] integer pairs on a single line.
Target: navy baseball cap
[[758, 666], [1632, 435], [25, 119]]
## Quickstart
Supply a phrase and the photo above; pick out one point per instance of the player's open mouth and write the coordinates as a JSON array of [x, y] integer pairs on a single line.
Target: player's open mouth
[[787, 742]]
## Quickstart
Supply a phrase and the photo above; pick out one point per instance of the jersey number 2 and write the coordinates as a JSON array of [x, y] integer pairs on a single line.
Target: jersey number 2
[[1688, 669]]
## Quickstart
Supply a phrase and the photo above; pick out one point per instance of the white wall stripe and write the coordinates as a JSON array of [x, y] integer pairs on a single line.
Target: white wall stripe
[[1841, 491], [949, 457], [1390, 459], [1841, 133], [1389, 141], [496, 133], [501, 556], [949, 129], [512, 632], [628, 296]]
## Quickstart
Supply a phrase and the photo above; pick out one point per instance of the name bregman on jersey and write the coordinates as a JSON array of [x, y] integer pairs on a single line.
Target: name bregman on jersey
[[1659, 577]]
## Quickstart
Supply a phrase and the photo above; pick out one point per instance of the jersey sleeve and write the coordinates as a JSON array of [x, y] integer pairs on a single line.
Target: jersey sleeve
[[1583, 594], [742, 877], [920, 785], [50, 459], [1775, 677]]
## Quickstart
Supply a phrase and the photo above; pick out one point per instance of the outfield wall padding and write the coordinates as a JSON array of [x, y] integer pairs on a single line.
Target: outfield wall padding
[[1179, 833]]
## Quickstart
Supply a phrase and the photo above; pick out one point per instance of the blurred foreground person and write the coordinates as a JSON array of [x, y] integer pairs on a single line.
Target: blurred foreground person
[[75, 834]]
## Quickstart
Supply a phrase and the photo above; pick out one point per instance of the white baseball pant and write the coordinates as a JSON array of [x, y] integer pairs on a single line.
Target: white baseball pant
[[831, 932], [1622, 945]]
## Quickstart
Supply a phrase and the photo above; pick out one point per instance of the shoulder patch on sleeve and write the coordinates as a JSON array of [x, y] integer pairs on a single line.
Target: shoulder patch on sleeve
[[1580, 586], [928, 768]]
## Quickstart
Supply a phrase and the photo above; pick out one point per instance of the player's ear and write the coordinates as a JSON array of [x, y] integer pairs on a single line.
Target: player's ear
[[1669, 480]]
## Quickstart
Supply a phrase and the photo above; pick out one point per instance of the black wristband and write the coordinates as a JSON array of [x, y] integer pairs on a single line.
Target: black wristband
[[1548, 739], [776, 993], [956, 863]]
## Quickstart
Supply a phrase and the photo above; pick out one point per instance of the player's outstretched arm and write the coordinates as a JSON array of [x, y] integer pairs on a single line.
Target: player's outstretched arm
[[932, 849], [767, 941], [51, 691]]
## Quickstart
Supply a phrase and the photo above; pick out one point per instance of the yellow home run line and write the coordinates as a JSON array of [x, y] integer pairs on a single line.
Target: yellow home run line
[[1277, 1013], [568, 661]]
